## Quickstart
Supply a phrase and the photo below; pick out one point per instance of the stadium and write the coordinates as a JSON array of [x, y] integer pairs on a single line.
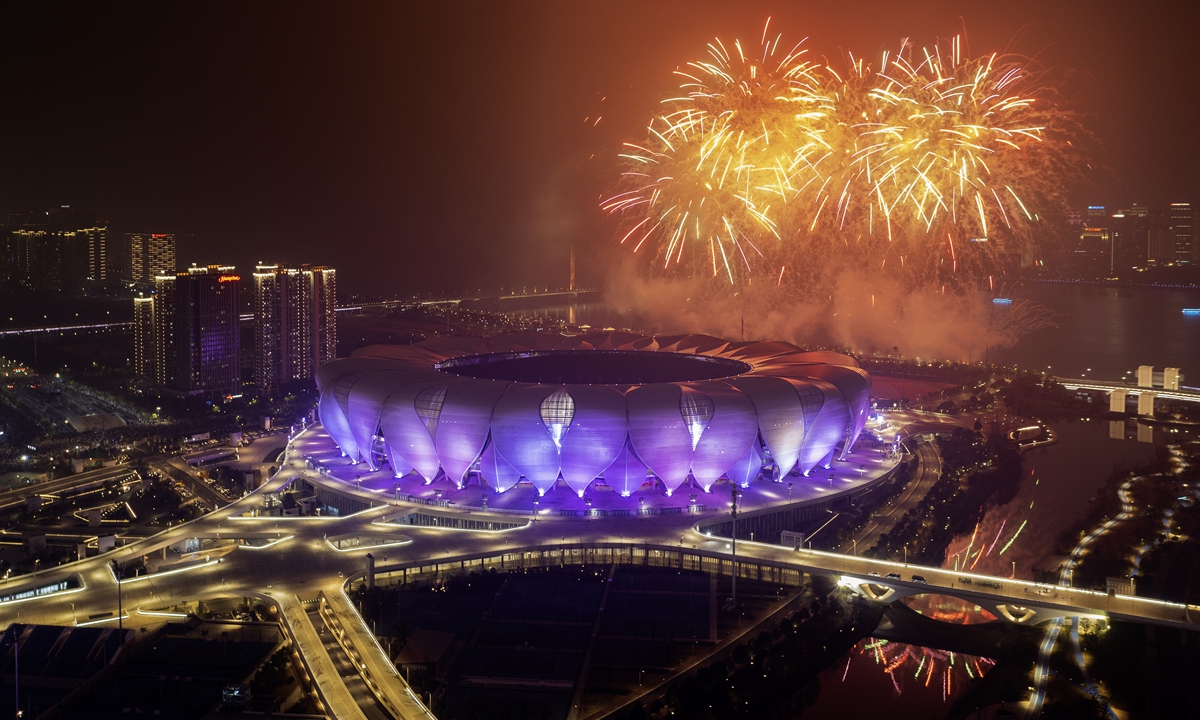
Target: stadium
[[617, 409]]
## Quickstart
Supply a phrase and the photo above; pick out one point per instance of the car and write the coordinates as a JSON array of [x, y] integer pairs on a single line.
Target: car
[[892, 576], [918, 578], [874, 574]]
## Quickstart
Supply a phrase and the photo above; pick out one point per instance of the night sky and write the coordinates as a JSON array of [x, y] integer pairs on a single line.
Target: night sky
[[423, 147]]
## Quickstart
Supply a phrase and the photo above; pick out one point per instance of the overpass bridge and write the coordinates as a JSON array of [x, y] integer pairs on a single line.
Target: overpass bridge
[[65, 485], [290, 562]]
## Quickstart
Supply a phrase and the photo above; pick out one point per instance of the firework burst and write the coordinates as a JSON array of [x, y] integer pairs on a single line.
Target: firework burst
[[718, 162], [929, 165]]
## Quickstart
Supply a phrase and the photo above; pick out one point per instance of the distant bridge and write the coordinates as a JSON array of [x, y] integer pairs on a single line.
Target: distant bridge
[[1117, 392], [557, 296], [1150, 385]]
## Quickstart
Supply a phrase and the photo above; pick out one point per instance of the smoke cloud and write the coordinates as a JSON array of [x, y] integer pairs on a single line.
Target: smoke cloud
[[851, 311]]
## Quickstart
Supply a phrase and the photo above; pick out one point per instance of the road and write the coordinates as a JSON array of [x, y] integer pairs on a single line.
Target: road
[[929, 469], [178, 470], [345, 668], [302, 565], [78, 481]]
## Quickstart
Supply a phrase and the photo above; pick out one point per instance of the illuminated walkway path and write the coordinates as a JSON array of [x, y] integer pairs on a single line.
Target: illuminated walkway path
[[300, 565]]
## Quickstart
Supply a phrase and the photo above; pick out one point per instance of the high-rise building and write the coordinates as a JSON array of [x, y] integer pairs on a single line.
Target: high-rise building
[[295, 322], [1090, 255], [197, 341], [145, 256], [143, 336], [56, 250], [95, 240], [1180, 232], [1129, 232], [1096, 216], [164, 330]]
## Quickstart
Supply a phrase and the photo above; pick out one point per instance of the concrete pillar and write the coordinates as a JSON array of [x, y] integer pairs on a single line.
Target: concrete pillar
[[1146, 403], [1116, 401], [1145, 376], [1171, 378], [370, 570]]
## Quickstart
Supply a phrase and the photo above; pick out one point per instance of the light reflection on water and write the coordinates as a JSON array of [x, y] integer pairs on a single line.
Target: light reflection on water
[[948, 609], [1110, 330], [906, 680], [1057, 484]]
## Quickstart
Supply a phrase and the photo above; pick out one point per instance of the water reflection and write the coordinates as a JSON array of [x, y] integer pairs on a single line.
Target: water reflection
[[1111, 330], [948, 609], [917, 681], [1057, 487]]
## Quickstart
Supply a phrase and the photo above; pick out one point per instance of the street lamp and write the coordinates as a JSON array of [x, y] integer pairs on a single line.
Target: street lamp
[[734, 493], [120, 607], [16, 669]]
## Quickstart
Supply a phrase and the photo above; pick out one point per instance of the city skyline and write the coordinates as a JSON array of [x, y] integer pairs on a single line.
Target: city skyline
[[337, 120]]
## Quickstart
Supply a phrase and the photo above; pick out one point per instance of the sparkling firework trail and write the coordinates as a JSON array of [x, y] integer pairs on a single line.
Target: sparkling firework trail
[[765, 159], [993, 545], [1014, 537]]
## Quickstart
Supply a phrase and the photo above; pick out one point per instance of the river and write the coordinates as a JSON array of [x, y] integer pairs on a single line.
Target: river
[[1109, 330]]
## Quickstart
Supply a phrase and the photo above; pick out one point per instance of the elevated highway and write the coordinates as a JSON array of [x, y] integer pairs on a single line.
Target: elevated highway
[[68, 484]]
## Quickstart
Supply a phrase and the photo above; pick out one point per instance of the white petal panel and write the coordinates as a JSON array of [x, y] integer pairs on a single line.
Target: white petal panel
[[451, 347], [758, 351], [855, 386], [365, 404], [407, 434], [496, 470], [668, 343], [400, 466], [780, 416], [658, 432], [521, 437], [699, 344], [596, 435], [729, 435], [463, 426], [335, 423], [747, 468], [828, 428], [826, 357], [627, 473], [339, 391]]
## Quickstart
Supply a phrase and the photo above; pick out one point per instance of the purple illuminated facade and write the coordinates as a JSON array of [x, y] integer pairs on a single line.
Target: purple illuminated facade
[[616, 408]]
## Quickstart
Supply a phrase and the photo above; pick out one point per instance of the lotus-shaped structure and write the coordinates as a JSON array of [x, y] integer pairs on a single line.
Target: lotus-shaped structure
[[616, 408]]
